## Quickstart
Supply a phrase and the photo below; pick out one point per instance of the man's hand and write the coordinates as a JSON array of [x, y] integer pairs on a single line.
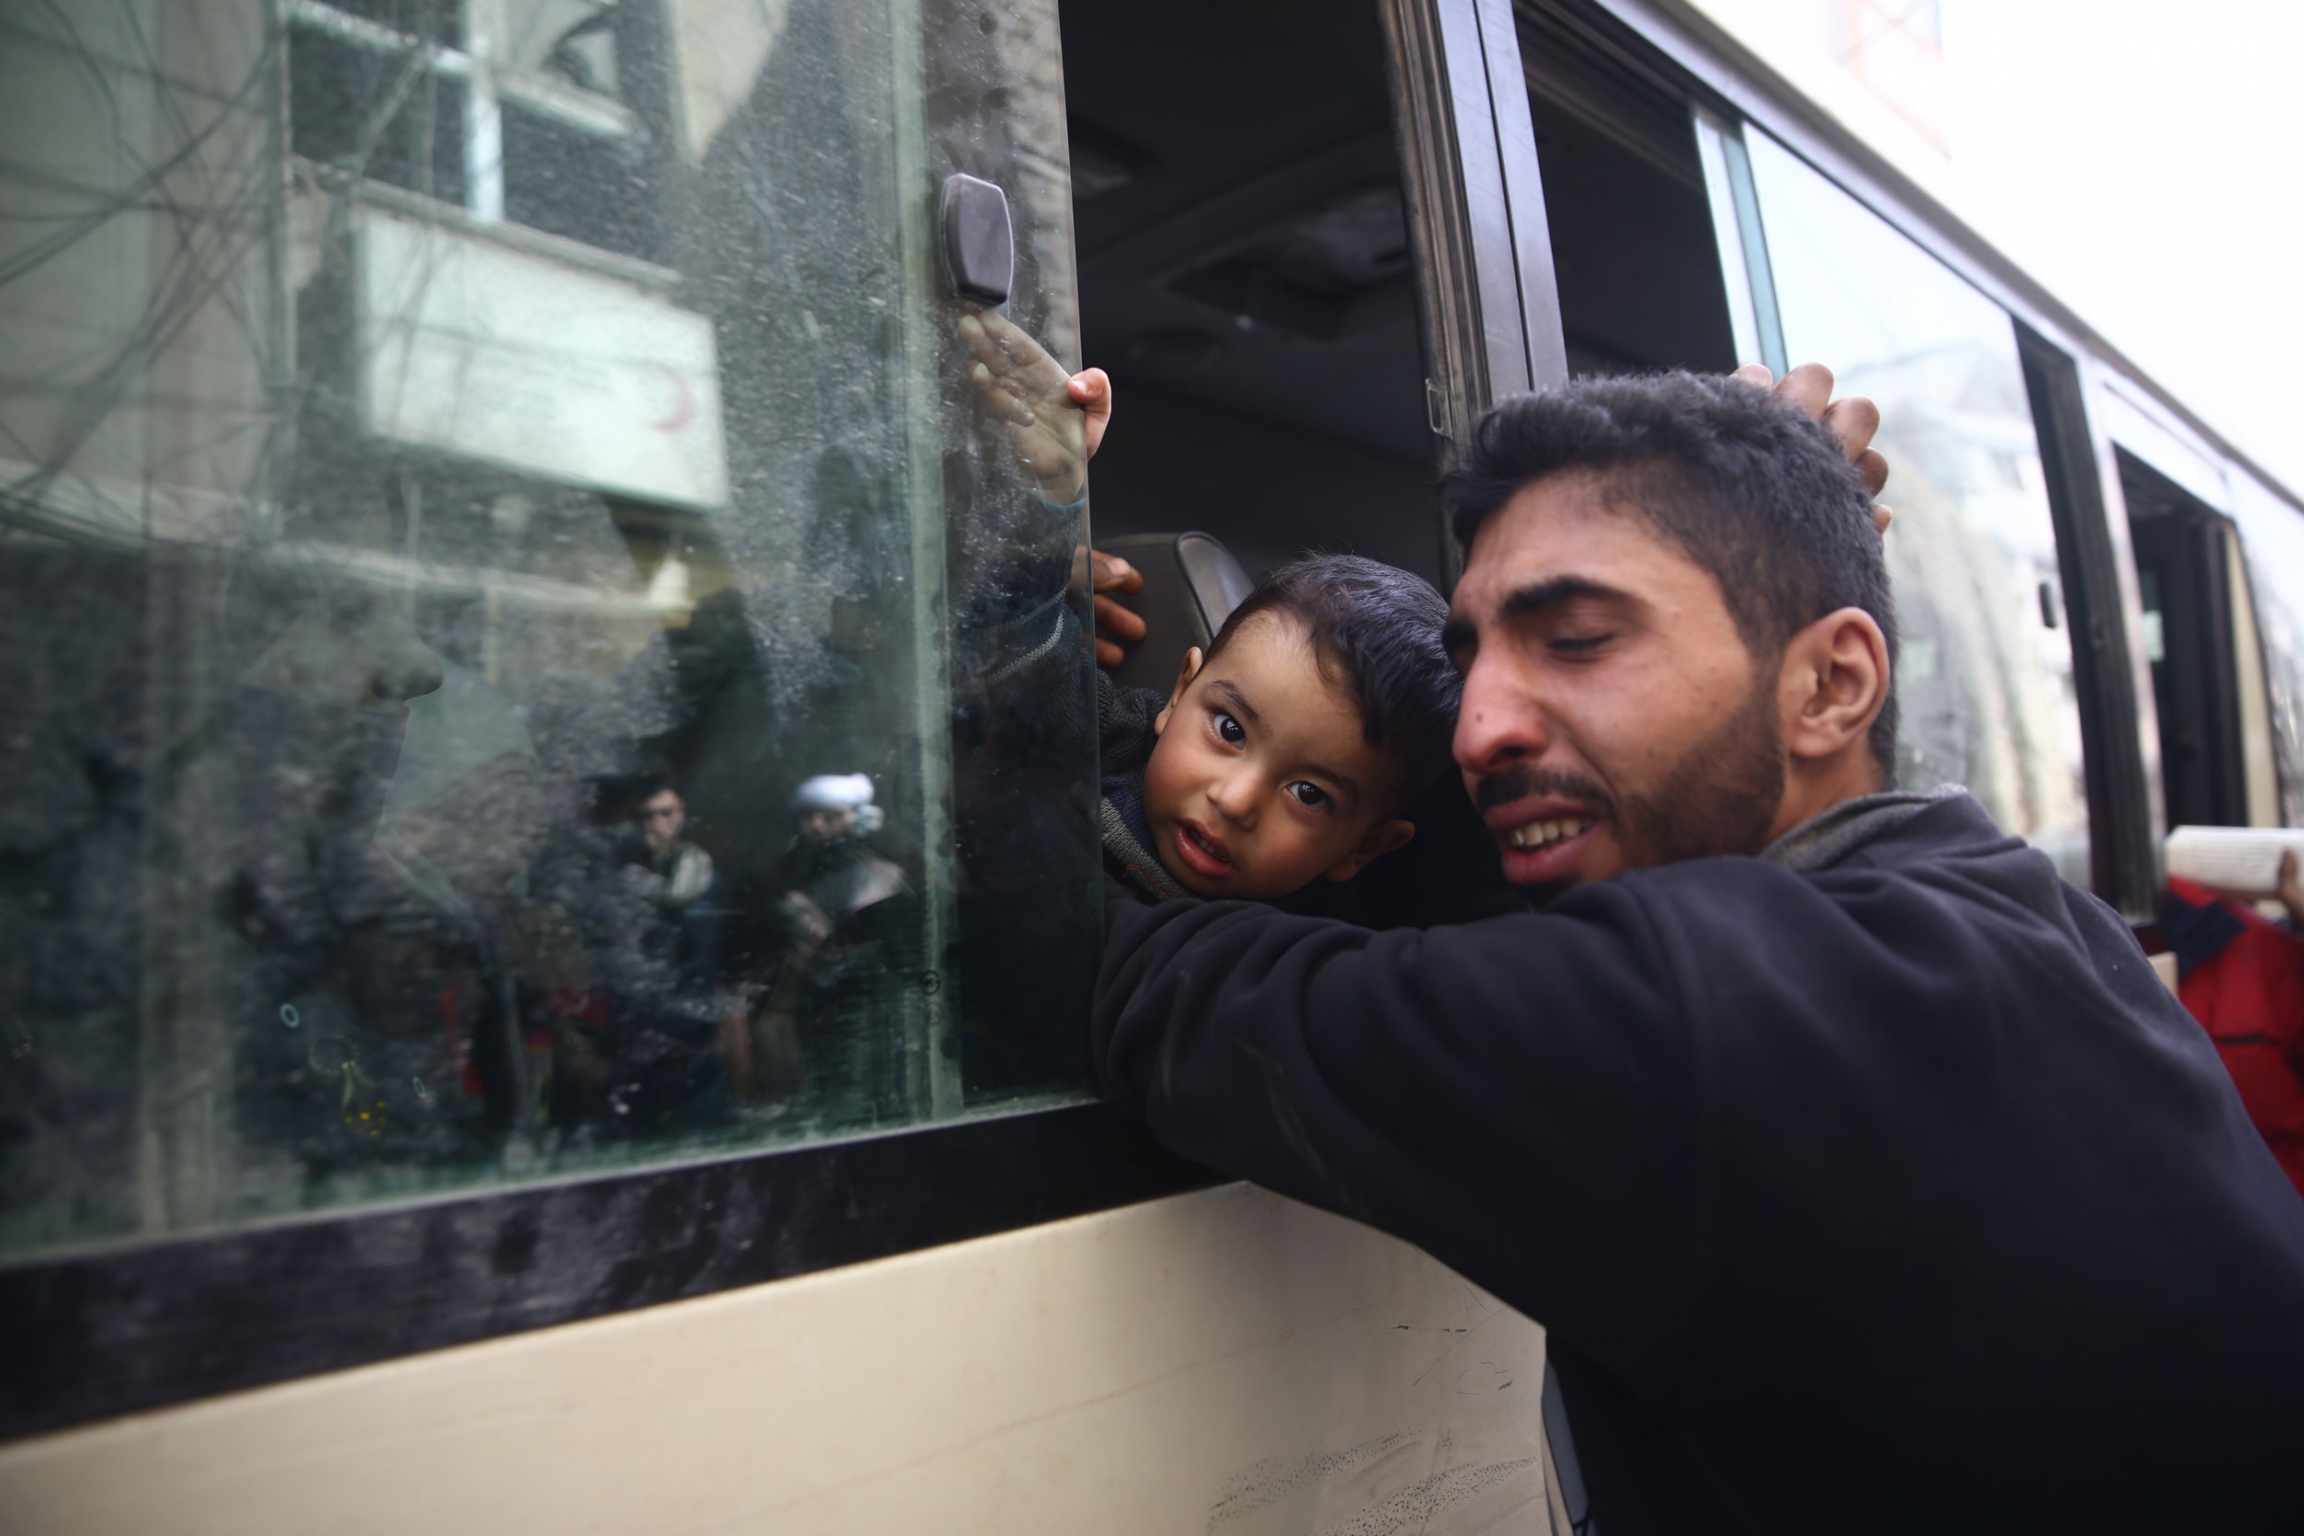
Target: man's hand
[[1853, 420], [1115, 626], [1054, 422]]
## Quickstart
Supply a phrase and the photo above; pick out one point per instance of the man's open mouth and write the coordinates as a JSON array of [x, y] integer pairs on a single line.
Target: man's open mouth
[[1542, 834], [1202, 851]]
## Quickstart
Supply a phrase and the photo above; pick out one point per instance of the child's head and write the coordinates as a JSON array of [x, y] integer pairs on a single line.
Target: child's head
[[1291, 749]]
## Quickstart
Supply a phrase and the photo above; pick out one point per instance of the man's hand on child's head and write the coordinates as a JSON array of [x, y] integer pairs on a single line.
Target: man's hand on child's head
[[1043, 412], [1853, 420]]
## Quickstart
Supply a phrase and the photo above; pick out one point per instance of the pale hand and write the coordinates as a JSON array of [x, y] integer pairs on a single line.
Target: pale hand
[[1053, 421]]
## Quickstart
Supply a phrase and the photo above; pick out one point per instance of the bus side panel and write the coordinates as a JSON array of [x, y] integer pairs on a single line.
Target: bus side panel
[[1224, 1359]]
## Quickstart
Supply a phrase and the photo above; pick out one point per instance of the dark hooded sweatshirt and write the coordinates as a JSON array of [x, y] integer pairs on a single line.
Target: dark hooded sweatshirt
[[1885, 1191]]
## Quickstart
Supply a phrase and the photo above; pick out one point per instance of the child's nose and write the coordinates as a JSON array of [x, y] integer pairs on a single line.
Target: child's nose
[[1234, 795]]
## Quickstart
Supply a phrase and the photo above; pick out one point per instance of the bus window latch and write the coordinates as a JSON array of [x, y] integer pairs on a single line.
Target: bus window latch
[[979, 242]]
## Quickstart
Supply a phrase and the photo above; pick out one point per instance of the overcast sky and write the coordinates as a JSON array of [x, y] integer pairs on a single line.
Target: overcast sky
[[2146, 163]]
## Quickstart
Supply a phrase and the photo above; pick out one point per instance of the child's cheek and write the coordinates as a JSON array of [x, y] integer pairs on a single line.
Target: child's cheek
[[1166, 773]]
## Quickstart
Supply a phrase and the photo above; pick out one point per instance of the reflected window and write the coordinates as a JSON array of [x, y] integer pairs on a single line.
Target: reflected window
[[528, 658], [1986, 684]]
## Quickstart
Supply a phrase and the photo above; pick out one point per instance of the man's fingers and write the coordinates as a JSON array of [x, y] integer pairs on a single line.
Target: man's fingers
[[1118, 622], [1808, 386], [1854, 420], [1756, 375], [1872, 469], [1110, 573], [1109, 655]]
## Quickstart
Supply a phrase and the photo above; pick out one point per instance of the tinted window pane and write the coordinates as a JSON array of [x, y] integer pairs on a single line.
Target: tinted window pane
[[1986, 679], [527, 659]]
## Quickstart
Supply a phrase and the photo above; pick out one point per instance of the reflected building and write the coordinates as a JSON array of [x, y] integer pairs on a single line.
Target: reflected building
[[420, 414]]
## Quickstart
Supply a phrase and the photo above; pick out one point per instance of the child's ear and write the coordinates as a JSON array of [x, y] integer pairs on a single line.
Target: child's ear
[[1184, 676], [1380, 840]]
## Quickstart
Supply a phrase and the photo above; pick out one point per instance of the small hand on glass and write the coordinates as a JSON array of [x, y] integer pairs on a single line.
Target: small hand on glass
[[1054, 422], [1853, 420]]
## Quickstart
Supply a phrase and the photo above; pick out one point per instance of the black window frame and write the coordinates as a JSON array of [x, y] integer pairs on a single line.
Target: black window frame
[[2121, 865]]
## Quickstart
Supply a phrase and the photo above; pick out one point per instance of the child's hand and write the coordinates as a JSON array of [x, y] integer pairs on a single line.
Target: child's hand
[[1053, 422], [2291, 887]]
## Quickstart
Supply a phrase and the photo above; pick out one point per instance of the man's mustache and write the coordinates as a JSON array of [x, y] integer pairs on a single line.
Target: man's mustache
[[1523, 781]]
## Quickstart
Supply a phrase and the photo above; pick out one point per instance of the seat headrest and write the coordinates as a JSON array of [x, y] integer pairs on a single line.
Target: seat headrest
[[1191, 586]]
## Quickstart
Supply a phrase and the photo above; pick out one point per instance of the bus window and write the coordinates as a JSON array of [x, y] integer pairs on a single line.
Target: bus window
[[1245, 273], [1625, 196], [526, 657], [1985, 683], [2217, 763], [2272, 539]]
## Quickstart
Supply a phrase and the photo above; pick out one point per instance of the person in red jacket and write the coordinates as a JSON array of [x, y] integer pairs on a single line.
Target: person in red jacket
[[2242, 977]]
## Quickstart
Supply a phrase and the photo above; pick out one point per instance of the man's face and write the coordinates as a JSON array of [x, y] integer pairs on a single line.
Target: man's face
[[662, 817], [827, 823], [1611, 717], [1263, 779]]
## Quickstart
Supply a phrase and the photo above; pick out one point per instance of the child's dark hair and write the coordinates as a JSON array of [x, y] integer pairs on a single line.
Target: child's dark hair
[[1376, 629]]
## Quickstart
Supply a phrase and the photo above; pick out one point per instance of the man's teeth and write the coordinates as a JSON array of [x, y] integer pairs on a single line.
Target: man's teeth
[[1540, 834]]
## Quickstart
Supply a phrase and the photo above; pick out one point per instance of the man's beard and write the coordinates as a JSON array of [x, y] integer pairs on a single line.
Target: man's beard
[[1720, 798]]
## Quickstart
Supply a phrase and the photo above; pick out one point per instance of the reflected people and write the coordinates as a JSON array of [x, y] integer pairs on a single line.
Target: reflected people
[[846, 917], [647, 1047]]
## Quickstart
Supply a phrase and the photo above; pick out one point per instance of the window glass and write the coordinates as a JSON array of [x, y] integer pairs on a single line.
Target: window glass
[[1985, 684], [527, 654], [2272, 537]]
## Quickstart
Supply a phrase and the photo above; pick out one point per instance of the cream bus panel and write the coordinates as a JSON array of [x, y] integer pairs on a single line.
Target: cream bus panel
[[1221, 1361]]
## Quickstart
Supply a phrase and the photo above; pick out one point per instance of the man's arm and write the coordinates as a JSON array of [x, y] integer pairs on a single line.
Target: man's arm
[[1518, 1096]]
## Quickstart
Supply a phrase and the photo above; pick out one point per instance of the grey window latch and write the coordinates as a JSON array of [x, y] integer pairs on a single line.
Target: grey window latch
[[979, 241]]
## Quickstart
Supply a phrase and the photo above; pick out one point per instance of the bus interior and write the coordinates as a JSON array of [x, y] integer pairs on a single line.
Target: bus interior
[[1247, 279], [1246, 273]]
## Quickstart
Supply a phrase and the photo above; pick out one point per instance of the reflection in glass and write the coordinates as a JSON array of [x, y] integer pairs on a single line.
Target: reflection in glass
[[525, 655], [1986, 682]]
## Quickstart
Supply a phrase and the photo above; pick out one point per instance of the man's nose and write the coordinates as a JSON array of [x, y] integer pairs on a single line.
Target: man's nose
[[1500, 719]]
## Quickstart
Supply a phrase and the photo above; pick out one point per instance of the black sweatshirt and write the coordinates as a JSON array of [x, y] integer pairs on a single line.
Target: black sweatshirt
[[1899, 1196]]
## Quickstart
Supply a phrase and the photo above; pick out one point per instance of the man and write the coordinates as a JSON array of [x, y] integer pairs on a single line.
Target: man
[[1863, 1174]]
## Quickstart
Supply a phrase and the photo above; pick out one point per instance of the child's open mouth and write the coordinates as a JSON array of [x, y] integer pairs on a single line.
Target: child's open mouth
[[1202, 851]]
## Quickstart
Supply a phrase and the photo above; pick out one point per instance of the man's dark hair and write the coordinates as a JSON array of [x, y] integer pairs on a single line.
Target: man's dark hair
[[1376, 629], [618, 796], [1748, 485]]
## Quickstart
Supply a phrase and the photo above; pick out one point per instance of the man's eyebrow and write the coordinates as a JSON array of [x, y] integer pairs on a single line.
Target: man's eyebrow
[[1461, 631], [1532, 600], [1235, 700]]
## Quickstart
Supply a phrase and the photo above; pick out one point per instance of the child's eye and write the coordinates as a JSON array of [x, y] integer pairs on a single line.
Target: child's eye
[[1578, 645], [1230, 729], [1309, 794]]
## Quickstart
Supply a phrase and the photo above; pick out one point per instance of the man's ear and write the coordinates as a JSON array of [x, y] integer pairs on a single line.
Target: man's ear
[[1379, 840], [1184, 676], [1833, 685]]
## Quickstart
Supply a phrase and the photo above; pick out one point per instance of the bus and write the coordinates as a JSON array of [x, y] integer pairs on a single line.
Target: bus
[[548, 948]]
